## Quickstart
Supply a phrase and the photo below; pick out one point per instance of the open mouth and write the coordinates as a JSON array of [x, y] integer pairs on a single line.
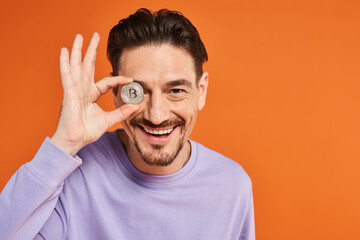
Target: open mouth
[[158, 133]]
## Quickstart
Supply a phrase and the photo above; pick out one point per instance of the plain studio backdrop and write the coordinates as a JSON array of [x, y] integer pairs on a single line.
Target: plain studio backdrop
[[283, 100]]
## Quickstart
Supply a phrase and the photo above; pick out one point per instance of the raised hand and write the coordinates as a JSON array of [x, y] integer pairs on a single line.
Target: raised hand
[[81, 120]]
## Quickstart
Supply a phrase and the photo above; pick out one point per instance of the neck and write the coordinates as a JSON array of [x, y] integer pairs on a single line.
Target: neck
[[134, 156]]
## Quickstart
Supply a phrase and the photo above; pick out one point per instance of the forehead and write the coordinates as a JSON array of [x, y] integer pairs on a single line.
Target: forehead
[[157, 62]]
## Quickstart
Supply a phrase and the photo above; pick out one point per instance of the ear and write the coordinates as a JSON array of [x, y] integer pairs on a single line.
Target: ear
[[203, 84]]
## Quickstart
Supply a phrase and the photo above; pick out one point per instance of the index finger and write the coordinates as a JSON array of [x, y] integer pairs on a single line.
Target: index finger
[[108, 83]]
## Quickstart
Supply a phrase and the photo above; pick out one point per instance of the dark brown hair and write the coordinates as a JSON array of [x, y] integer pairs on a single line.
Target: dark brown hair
[[161, 27]]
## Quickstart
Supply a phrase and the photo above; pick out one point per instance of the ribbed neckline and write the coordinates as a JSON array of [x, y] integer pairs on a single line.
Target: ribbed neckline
[[131, 171]]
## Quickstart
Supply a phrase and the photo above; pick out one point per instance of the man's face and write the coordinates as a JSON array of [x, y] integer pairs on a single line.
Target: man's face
[[172, 98]]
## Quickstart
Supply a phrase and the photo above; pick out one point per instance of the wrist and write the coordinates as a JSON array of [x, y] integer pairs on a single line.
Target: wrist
[[69, 147]]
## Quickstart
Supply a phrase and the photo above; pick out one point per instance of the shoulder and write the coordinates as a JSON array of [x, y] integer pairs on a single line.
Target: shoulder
[[100, 150], [99, 164], [221, 168], [98, 159]]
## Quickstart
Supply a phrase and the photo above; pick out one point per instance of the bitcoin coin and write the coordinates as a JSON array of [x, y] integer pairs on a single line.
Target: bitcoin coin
[[132, 93]]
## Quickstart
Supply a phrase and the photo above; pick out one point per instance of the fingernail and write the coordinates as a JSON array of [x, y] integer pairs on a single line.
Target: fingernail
[[78, 36]]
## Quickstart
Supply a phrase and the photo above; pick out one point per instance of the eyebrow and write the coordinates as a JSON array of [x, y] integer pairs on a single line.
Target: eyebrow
[[142, 83], [174, 83], [178, 82]]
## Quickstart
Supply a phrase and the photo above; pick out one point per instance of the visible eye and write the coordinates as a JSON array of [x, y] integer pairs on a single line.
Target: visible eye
[[177, 91]]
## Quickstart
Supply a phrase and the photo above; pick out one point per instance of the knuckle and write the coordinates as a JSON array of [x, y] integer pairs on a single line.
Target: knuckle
[[89, 62]]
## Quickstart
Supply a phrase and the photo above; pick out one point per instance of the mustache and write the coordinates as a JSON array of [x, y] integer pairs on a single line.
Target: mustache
[[171, 122]]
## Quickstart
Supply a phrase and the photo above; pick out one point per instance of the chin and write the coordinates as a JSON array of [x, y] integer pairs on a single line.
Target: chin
[[159, 155]]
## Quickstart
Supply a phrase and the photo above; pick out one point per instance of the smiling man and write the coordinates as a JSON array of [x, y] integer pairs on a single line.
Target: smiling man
[[147, 180]]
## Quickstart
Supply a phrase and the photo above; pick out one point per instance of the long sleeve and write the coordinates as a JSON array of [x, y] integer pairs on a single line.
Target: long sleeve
[[31, 194], [248, 227]]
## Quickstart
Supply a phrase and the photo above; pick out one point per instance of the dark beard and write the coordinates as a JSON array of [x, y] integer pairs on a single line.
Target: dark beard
[[157, 157]]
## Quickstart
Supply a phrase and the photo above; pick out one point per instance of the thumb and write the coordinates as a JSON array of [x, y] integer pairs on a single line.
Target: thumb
[[120, 114]]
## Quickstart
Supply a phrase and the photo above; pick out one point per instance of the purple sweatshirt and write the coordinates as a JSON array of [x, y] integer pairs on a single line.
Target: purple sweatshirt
[[99, 194]]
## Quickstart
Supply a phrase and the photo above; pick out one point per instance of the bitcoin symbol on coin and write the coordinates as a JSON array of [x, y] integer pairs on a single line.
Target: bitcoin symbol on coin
[[132, 93]]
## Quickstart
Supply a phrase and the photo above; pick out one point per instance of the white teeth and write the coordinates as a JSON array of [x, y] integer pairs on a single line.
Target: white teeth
[[160, 132]]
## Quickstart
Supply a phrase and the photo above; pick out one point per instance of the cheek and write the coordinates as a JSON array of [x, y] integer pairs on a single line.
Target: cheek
[[186, 110], [129, 129]]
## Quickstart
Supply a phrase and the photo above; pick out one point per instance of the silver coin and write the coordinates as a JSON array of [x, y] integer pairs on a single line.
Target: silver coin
[[132, 93]]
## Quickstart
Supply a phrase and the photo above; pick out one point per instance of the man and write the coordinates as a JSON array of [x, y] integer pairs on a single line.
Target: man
[[147, 181]]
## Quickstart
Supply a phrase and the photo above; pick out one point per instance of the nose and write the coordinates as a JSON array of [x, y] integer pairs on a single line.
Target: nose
[[157, 110]]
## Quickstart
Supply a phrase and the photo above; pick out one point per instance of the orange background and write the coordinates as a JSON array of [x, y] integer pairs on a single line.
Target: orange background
[[283, 100]]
